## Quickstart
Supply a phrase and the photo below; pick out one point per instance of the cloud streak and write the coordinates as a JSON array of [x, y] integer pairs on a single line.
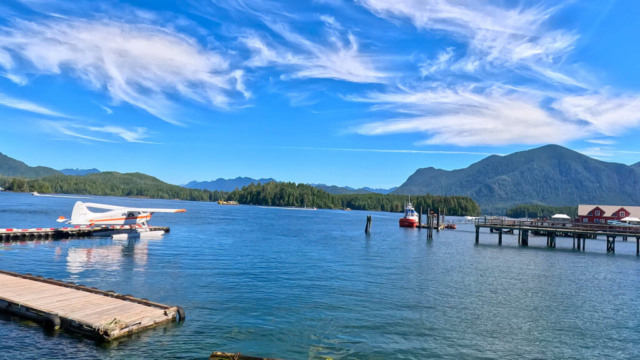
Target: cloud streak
[[28, 106], [470, 115], [496, 36], [391, 151], [143, 65], [88, 132], [339, 60]]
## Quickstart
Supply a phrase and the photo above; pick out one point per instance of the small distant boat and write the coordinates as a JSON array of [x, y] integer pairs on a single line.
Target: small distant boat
[[35, 193], [410, 218], [222, 202], [346, 209], [451, 226]]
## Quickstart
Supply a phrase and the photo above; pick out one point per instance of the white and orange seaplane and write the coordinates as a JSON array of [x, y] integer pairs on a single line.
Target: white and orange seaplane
[[135, 220]]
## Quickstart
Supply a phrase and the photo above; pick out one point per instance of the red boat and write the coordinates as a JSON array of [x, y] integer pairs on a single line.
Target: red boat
[[410, 218]]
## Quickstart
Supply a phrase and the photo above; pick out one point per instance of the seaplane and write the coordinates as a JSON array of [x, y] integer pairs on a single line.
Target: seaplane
[[135, 220]]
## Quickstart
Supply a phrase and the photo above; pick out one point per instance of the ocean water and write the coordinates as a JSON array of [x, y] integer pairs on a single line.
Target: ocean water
[[296, 284]]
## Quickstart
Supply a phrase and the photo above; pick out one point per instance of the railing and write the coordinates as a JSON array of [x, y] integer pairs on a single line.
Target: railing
[[559, 225]]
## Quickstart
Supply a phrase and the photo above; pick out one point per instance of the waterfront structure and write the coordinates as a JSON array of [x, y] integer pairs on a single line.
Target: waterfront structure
[[553, 229], [602, 214], [13, 234], [101, 315]]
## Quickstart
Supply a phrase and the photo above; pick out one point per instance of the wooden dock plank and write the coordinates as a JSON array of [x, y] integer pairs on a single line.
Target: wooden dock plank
[[108, 315]]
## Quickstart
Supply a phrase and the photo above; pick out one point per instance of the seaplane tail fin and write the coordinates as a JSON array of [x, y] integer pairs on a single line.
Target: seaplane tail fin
[[80, 211]]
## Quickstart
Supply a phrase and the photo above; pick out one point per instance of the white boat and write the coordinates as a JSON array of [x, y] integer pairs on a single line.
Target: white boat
[[410, 218]]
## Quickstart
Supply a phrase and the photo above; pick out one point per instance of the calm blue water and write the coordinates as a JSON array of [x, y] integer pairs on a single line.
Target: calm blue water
[[310, 285]]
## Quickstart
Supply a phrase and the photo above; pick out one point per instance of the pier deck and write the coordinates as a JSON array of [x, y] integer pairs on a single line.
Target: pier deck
[[553, 229], [7, 235], [103, 315]]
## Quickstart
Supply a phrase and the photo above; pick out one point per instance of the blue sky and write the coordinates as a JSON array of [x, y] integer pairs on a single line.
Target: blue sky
[[357, 93]]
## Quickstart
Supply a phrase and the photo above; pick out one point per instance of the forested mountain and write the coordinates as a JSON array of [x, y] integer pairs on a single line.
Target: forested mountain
[[109, 184], [79, 172], [270, 194], [225, 184], [13, 167], [550, 175], [291, 194]]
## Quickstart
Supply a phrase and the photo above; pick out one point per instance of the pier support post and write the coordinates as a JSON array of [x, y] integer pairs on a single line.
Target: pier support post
[[525, 238], [611, 244], [579, 242], [519, 235], [500, 237], [584, 243], [574, 241], [552, 240], [367, 227], [438, 221], [624, 238], [420, 219], [638, 246], [478, 234]]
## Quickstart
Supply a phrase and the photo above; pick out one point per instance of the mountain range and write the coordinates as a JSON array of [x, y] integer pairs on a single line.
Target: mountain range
[[14, 168], [341, 190], [225, 184], [79, 172], [551, 175]]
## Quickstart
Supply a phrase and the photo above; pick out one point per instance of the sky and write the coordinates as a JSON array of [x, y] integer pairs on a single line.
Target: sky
[[342, 92]]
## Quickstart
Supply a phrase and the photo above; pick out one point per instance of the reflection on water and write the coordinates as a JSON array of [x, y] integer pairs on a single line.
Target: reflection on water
[[108, 258]]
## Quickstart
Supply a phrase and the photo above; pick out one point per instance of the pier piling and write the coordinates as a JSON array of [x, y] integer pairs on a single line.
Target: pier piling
[[367, 227]]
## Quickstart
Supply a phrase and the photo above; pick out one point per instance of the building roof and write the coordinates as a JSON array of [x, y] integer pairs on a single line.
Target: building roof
[[583, 210]]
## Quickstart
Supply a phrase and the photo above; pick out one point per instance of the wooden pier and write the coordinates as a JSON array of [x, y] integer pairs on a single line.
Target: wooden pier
[[554, 229], [101, 315], [7, 235]]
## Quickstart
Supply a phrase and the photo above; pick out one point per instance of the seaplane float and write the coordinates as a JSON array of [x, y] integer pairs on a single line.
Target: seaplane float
[[130, 222]]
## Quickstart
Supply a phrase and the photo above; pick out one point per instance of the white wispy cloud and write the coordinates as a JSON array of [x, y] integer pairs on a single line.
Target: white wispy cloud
[[339, 59], [106, 109], [441, 62], [392, 151], [496, 36], [608, 114], [602, 141], [90, 132], [140, 64], [469, 115], [28, 106]]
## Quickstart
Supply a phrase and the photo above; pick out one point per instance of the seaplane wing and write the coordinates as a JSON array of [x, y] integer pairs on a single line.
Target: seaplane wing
[[115, 215], [132, 209]]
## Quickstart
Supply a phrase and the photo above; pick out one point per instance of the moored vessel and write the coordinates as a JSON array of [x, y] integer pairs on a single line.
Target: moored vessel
[[410, 218]]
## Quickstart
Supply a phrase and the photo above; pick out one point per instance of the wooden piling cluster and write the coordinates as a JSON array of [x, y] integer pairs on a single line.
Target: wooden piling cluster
[[553, 229], [101, 315], [9, 235]]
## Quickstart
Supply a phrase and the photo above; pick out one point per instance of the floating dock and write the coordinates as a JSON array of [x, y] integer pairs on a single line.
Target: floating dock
[[101, 315], [7, 235], [553, 229]]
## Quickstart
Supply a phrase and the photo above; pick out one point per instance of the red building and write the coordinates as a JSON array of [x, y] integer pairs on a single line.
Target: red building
[[601, 214]]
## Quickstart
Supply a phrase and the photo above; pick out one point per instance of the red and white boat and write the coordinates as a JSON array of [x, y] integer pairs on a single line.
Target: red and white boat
[[410, 218]]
